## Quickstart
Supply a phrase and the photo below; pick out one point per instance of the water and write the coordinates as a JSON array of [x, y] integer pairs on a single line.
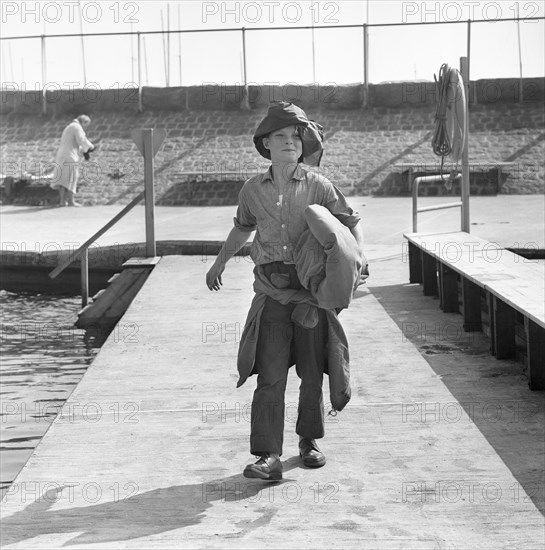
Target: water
[[43, 357]]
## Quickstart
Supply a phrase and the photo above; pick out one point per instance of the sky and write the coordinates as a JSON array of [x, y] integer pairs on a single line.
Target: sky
[[325, 56]]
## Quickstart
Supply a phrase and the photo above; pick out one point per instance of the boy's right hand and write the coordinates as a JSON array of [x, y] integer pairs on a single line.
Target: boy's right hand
[[213, 277]]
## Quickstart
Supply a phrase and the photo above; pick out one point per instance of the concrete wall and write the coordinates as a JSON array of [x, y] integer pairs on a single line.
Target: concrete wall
[[209, 130], [214, 96]]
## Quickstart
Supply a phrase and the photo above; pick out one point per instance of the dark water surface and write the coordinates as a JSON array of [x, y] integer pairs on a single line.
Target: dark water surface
[[43, 357]]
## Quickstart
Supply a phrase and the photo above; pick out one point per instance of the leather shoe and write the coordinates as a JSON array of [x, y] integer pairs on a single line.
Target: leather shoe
[[310, 453], [267, 467]]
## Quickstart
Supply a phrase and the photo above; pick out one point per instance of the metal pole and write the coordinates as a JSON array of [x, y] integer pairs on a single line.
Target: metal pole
[[414, 188], [365, 65], [149, 193], [82, 45], [520, 56], [44, 91], [164, 48], [139, 53], [77, 253], [366, 56], [132, 54], [246, 98], [313, 52], [179, 45], [145, 58], [168, 43], [244, 55], [84, 273], [3, 72], [10, 62], [470, 100], [464, 69]]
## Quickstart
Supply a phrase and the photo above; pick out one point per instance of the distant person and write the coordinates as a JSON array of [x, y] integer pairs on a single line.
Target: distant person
[[274, 204], [74, 144]]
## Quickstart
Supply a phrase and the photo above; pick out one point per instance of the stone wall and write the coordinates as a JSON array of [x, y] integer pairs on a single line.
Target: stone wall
[[208, 151]]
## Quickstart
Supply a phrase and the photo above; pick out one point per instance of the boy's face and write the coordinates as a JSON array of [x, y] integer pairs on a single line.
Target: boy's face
[[285, 144]]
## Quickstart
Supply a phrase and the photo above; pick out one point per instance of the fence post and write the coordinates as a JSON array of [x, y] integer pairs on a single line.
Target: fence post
[[139, 53], [44, 76], [149, 193], [365, 66], [246, 100], [521, 89], [465, 191], [471, 90]]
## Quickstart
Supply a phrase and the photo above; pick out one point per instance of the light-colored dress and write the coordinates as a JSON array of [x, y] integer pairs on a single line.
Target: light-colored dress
[[73, 144]]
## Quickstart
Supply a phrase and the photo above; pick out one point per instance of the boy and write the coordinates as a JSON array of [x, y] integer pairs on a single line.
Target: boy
[[273, 205]]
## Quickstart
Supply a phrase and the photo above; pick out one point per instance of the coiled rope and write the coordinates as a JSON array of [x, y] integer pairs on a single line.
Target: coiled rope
[[450, 118]]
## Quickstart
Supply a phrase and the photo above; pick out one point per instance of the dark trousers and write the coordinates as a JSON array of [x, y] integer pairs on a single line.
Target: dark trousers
[[279, 341]]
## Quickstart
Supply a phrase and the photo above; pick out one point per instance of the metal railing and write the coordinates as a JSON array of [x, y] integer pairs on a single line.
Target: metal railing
[[464, 203], [432, 179], [148, 143], [141, 56], [82, 253]]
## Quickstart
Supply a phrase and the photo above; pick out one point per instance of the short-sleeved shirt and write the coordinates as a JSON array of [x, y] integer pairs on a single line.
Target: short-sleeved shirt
[[280, 223]]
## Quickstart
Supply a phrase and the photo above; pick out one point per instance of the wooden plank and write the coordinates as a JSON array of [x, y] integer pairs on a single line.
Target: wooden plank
[[149, 140], [471, 297], [535, 341], [504, 329], [118, 306], [415, 264], [513, 285], [113, 277], [524, 295], [517, 281], [114, 301], [448, 289], [461, 250], [429, 275], [142, 262], [97, 296], [521, 347], [486, 322], [491, 319]]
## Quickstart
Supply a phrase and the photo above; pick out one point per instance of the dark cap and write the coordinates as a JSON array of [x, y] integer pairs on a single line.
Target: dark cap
[[282, 114]]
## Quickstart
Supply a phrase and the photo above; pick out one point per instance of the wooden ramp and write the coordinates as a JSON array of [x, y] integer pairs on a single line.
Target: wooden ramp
[[149, 449], [109, 305]]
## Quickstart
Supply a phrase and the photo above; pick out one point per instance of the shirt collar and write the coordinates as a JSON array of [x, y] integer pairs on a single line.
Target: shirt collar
[[298, 175]]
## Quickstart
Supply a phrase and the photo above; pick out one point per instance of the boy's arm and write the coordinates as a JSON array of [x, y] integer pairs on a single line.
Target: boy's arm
[[234, 242]]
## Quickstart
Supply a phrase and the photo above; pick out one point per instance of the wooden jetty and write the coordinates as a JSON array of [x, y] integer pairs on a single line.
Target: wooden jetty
[[148, 451]]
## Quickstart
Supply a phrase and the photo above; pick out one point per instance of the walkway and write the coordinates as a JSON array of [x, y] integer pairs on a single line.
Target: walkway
[[435, 450]]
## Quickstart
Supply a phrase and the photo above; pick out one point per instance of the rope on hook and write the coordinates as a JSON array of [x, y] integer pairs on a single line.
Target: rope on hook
[[450, 119]]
